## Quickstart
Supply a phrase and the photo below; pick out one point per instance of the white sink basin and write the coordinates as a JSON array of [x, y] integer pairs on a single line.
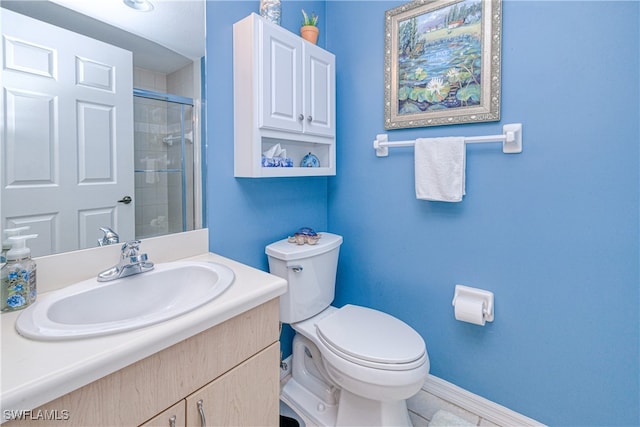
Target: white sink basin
[[91, 308]]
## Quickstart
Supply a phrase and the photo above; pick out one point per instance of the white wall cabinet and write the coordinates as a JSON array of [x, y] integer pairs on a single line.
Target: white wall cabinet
[[284, 93]]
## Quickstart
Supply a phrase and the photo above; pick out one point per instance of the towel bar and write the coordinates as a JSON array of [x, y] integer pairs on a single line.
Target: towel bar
[[511, 139]]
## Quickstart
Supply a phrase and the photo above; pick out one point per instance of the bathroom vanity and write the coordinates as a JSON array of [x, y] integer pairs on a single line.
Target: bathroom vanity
[[216, 365]]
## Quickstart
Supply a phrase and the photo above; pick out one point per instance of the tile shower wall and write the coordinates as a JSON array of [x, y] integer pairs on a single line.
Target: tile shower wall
[[159, 167], [149, 80], [158, 161], [151, 154], [181, 82]]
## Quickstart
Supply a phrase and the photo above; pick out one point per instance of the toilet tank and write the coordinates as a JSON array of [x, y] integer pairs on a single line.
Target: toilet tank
[[310, 271]]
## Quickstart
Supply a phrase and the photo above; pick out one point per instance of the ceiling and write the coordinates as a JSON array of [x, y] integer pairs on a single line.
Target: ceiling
[[164, 39]]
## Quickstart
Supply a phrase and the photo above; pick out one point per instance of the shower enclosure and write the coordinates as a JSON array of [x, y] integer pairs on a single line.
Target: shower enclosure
[[164, 163]]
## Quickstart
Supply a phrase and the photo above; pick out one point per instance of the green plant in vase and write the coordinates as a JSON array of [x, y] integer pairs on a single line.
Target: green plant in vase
[[309, 20], [309, 29]]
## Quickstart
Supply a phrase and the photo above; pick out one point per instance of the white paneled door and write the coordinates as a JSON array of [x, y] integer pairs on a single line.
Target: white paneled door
[[67, 135]]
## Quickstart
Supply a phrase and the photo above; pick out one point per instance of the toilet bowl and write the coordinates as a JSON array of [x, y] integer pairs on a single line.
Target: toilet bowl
[[351, 365], [369, 378]]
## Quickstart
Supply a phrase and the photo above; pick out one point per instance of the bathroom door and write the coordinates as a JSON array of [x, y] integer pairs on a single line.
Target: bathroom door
[[67, 135]]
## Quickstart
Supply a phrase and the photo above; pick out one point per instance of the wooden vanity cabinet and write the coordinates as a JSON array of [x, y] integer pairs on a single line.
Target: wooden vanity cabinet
[[234, 399], [233, 368], [237, 397]]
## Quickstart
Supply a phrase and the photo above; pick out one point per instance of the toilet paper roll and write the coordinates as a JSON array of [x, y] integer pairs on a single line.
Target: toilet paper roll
[[469, 310]]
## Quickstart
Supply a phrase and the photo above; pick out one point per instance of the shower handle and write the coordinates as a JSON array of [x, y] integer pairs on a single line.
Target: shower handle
[[126, 200]]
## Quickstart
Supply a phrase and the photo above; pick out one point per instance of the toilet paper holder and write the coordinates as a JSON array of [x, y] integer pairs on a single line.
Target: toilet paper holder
[[486, 297]]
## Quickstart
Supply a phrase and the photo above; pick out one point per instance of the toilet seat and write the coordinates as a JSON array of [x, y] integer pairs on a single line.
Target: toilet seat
[[371, 338]]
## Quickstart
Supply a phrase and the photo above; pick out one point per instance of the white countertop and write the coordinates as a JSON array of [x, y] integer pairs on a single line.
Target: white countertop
[[36, 372]]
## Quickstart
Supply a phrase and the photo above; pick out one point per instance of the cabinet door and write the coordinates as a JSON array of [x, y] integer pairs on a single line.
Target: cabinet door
[[320, 88], [175, 416], [280, 78], [247, 395]]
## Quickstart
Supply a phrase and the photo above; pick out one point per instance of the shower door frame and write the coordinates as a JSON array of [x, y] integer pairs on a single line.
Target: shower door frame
[[197, 170]]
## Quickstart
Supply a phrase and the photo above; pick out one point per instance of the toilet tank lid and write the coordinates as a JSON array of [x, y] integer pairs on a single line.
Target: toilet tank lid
[[286, 251]]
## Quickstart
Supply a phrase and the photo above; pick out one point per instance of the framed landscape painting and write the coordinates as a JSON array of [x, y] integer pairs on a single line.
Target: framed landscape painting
[[442, 63]]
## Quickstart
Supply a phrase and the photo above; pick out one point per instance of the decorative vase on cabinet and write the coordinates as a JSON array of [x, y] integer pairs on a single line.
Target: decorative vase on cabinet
[[270, 9], [284, 101], [309, 33], [309, 30]]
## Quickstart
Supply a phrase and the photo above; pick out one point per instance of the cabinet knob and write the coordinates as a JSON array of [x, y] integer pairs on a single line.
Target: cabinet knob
[[301, 117], [309, 119]]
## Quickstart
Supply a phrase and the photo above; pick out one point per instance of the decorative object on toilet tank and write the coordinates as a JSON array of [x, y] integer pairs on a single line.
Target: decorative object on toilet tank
[[271, 10], [473, 305], [304, 235], [309, 29]]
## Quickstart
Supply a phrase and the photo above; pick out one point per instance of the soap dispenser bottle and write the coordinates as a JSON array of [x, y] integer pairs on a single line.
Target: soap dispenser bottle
[[18, 276], [6, 243]]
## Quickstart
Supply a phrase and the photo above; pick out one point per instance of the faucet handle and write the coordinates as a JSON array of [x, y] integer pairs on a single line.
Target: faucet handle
[[130, 254], [130, 248], [131, 262], [109, 237]]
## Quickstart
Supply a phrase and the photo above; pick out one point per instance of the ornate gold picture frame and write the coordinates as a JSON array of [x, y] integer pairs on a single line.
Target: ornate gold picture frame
[[442, 63]]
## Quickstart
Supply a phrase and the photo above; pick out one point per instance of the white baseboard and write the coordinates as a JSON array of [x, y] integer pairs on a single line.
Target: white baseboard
[[475, 404], [460, 397]]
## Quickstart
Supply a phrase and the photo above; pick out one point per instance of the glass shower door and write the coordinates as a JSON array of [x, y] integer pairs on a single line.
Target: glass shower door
[[164, 164]]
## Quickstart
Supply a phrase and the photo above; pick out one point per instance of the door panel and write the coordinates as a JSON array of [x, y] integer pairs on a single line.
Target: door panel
[[30, 116], [67, 131]]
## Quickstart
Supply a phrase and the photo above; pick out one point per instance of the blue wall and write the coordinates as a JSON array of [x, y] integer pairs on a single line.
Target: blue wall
[[553, 232], [244, 215]]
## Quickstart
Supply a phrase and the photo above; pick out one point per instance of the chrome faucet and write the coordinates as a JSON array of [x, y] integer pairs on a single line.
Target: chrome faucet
[[110, 237], [131, 262]]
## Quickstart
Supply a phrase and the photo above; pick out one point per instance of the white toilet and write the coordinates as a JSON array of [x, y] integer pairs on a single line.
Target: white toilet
[[351, 365]]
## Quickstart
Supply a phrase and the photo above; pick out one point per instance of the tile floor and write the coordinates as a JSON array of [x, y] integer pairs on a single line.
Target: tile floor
[[421, 408], [424, 405]]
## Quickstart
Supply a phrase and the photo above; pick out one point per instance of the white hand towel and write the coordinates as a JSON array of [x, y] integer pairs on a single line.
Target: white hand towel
[[440, 169]]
